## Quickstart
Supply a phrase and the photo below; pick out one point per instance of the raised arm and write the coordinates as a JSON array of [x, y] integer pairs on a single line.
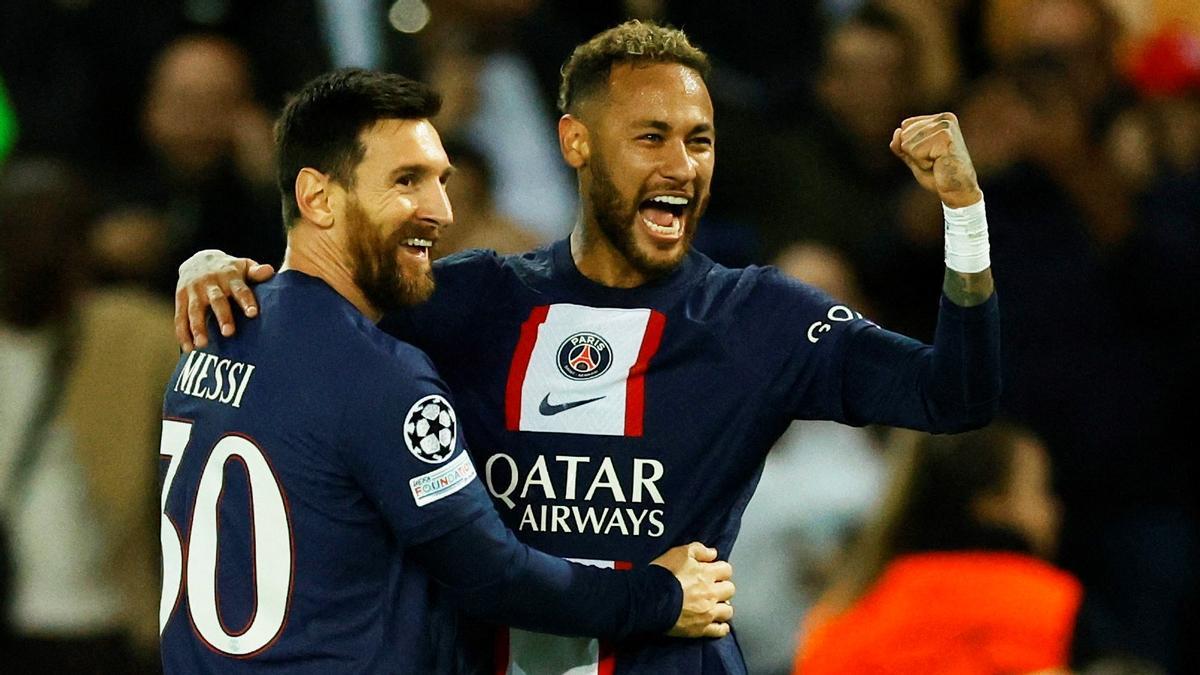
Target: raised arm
[[208, 279], [934, 149], [955, 384]]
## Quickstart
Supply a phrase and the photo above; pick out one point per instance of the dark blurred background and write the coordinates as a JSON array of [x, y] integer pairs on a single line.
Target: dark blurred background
[[134, 133]]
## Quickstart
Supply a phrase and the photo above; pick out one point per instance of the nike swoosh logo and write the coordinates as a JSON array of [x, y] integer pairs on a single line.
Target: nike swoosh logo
[[547, 408]]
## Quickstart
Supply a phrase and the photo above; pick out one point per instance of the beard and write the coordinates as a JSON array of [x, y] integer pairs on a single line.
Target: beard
[[617, 220], [373, 261]]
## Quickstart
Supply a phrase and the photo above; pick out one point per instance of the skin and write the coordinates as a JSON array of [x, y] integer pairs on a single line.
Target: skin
[[649, 131], [1027, 504], [354, 238], [864, 83], [200, 110], [933, 148]]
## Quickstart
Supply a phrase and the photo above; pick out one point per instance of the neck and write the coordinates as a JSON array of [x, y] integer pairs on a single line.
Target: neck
[[599, 260], [313, 251]]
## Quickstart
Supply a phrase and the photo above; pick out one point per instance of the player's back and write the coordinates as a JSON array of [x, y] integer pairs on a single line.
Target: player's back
[[284, 509]]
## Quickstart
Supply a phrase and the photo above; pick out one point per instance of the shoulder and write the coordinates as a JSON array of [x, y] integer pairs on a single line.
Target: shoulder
[[475, 262], [463, 278], [771, 282], [480, 265], [389, 363], [468, 281], [755, 289], [314, 325], [401, 397]]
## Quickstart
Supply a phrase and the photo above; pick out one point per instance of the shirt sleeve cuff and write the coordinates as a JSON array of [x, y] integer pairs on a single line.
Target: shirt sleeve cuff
[[666, 600]]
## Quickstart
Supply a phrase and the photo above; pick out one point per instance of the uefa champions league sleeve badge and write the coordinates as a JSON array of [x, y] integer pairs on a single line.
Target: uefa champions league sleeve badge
[[431, 429]]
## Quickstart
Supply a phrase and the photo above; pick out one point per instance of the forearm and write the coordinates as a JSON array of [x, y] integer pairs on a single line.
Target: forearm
[[968, 278], [949, 387], [968, 289], [493, 576]]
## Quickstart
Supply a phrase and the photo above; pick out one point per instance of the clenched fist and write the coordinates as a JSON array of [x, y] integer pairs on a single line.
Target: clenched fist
[[933, 148]]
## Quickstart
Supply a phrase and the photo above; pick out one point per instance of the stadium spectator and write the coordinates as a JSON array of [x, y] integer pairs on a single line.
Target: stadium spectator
[[1068, 218], [493, 102], [835, 183], [951, 577], [207, 177], [477, 223], [78, 430]]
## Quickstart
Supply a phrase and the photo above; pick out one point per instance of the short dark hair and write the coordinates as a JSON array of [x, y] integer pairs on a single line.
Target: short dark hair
[[631, 42], [320, 125]]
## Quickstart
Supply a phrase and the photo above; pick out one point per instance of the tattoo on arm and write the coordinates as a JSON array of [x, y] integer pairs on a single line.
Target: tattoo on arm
[[968, 290]]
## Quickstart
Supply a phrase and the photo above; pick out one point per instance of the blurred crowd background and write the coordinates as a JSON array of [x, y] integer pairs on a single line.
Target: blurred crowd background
[[134, 133]]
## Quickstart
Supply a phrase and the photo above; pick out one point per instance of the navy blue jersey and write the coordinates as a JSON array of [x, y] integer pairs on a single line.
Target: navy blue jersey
[[610, 424], [303, 458]]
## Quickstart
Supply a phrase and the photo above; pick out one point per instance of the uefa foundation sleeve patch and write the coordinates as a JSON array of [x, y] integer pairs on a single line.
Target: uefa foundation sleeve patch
[[582, 370], [442, 481]]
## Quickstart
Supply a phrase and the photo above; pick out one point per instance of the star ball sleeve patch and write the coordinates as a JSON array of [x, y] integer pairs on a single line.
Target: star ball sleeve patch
[[582, 370], [431, 429]]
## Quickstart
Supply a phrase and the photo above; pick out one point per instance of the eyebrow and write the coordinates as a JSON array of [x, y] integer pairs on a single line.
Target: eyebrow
[[660, 125], [420, 170]]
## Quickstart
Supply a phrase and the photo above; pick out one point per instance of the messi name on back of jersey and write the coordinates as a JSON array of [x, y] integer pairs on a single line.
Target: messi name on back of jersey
[[211, 377]]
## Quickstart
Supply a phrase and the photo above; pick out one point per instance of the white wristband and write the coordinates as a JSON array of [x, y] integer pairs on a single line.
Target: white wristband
[[967, 248]]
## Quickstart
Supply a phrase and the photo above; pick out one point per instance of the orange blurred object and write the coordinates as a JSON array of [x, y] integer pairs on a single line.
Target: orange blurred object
[[949, 613]]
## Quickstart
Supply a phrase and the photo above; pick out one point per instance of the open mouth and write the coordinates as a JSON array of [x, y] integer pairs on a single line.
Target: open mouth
[[662, 215]]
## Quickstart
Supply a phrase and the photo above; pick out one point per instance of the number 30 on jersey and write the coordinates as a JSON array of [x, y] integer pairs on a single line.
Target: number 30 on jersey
[[272, 552]]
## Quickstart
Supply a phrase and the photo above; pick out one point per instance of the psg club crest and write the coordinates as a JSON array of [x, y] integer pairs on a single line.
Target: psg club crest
[[584, 356], [430, 429]]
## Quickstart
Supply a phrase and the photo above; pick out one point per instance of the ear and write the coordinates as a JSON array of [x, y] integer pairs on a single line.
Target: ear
[[573, 141], [313, 197]]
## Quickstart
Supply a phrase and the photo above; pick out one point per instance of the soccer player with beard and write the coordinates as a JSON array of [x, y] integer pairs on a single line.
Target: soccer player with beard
[[622, 390], [316, 475]]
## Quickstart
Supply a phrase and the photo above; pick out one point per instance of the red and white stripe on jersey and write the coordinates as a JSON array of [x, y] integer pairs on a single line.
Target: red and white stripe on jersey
[[615, 399], [520, 652]]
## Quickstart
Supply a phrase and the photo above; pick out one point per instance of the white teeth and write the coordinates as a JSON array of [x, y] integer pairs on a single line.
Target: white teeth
[[672, 229], [419, 243], [671, 199]]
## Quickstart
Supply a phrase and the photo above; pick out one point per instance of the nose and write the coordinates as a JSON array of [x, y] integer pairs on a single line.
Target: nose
[[435, 206], [678, 165]]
